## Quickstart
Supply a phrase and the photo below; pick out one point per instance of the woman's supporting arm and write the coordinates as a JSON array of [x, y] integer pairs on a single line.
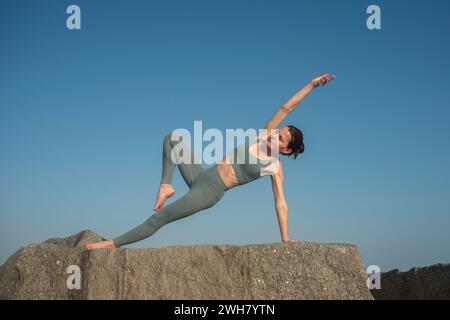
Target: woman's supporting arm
[[281, 206]]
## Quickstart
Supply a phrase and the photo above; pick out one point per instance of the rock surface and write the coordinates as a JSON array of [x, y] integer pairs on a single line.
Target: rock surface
[[428, 283], [265, 271]]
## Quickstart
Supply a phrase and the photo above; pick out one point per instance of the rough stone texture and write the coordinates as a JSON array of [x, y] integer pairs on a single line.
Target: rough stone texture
[[266, 271], [428, 283]]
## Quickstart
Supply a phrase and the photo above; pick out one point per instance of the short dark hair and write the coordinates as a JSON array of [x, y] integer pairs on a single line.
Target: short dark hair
[[296, 143]]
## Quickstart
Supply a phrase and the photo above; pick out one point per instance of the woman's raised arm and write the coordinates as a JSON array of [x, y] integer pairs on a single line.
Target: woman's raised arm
[[292, 103]]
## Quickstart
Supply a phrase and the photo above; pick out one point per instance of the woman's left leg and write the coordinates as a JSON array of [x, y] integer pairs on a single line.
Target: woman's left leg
[[189, 170], [205, 191]]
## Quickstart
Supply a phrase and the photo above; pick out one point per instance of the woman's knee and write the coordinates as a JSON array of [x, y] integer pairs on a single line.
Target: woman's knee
[[173, 138], [168, 136]]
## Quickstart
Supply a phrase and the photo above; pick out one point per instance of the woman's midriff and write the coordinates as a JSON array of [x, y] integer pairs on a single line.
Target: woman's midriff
[[226, 173]]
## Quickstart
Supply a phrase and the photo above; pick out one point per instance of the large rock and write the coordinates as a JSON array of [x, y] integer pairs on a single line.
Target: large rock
[[266, 271], [432, 282]]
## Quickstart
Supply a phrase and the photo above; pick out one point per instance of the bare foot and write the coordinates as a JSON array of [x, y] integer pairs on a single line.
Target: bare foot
[[165, 192], [109, 244]]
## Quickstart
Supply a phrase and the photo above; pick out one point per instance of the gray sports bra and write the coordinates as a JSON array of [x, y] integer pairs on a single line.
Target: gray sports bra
[[246, 166]]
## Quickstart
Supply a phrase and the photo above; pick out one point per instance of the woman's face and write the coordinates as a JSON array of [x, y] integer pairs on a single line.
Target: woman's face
[[284, 138]]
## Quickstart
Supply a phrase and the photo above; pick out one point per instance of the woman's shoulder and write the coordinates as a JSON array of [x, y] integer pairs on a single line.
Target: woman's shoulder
[[272, 168]]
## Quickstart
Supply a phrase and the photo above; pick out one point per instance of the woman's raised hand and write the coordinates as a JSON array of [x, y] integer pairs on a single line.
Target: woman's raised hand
[[322, 80]]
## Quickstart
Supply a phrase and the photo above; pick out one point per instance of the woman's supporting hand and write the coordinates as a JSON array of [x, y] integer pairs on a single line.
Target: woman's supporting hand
[[322, 80]]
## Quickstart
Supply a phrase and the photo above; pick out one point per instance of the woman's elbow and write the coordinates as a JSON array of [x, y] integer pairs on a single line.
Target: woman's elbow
[[281, 207]]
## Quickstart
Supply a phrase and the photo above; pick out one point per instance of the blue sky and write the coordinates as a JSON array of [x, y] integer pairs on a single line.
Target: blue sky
[[83, 114]]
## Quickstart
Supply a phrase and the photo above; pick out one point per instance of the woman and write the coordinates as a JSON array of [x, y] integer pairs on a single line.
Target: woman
[[207, 187]]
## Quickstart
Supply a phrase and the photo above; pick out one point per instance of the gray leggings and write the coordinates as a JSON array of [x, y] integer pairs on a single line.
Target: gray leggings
[[206, 189]]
